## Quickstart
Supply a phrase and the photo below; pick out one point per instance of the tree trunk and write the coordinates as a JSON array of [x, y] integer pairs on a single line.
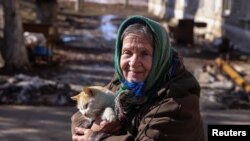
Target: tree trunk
[[126, 3], [46, 11], [14, 51], [77, 5]]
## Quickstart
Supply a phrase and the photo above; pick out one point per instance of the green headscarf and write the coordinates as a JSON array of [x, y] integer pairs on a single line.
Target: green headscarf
[[161, 57]]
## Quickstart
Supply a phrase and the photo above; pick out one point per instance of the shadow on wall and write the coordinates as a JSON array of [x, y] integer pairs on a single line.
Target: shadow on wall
[[191, 9], [1, 59], [170, 7], [236, 26]]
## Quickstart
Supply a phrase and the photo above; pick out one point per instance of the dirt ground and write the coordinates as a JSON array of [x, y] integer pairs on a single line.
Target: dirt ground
[[88, 60]]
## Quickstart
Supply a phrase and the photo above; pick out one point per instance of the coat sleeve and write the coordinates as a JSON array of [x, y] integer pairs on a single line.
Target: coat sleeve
[[126, 137], [172, 119]]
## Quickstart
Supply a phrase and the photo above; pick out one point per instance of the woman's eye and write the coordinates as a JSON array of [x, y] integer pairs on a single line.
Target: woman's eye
[[145, 53], [126, 52]]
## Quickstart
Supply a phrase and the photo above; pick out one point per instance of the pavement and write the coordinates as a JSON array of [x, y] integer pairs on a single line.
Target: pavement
[[35, 123], [39, 123]]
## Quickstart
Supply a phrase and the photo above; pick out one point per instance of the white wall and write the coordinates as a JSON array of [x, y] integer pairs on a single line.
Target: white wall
[[157, 7]]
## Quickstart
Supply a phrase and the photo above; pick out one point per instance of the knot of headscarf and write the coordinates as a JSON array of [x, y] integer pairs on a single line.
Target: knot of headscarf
[[126, 101], [129, 95], [136, 88]]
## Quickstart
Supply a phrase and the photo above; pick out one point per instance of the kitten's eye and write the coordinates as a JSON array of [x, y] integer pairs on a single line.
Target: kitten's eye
[[86, 106]]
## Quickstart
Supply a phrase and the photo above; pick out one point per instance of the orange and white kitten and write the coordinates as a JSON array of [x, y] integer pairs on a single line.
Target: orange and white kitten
[[96, 102]]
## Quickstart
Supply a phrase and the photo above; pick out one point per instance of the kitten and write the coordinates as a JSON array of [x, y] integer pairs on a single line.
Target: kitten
[[96, 102]]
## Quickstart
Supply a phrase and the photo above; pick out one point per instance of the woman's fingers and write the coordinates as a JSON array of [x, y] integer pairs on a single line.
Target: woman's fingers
[[104, 123], [77, 138], [79, 131], [81, 134]]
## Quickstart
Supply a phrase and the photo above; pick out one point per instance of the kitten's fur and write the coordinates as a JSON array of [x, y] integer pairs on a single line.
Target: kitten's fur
[[94, 102]]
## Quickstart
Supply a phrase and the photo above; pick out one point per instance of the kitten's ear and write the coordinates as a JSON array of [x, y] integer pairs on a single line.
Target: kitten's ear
[[74, 97], [87, 91]]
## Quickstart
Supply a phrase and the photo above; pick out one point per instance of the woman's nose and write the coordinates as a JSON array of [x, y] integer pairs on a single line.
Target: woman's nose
[[134, 61]]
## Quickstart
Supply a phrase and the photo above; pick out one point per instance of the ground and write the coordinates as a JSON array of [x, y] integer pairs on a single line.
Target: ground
[[84, 56]]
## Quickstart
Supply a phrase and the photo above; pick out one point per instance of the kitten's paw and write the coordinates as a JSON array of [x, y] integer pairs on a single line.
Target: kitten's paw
[[111, 118], [109, 115]]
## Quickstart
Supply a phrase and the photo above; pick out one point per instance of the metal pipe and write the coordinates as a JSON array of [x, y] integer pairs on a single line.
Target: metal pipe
[[239, 80]]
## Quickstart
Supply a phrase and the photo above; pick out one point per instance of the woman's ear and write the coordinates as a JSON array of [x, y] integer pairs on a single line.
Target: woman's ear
[[87, 91]]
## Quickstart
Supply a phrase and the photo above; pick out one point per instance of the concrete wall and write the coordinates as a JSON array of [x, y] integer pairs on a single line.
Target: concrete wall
[[157, 7], [232, 21]]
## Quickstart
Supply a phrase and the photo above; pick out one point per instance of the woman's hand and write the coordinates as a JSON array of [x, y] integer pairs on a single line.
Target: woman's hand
[[110, 127], [81, 134]]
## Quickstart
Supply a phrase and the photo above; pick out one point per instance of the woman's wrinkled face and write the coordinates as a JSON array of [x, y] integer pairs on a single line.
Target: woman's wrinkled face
[[136, 57]]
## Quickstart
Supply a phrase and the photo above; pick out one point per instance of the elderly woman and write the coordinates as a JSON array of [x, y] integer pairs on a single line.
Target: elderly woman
[[157, 98]]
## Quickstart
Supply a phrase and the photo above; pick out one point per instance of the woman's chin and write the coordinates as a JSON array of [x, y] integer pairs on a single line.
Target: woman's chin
[[137, 80]]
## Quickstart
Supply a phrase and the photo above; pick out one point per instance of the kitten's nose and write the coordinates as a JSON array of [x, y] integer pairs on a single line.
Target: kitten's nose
[[86, 114]]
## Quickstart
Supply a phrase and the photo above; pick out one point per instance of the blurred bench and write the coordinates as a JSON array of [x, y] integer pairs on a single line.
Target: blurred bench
[[49, 32]]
